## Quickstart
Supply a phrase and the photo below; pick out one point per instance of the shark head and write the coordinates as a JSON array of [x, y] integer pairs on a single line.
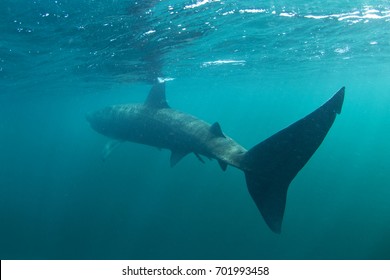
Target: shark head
[[98, 121]]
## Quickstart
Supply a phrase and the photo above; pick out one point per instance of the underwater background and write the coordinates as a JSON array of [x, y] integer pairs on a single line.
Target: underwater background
[[253, 66]]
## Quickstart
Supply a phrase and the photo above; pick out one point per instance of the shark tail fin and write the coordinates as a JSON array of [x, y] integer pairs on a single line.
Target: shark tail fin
[[272, 164]]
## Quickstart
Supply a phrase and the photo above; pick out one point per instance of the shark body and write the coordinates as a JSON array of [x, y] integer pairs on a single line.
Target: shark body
[[269, 166]]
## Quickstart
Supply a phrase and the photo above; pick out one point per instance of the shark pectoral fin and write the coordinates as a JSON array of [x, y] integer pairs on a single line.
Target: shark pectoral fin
[[200, 159], [223, 165], [215, 129], [176, 157], [109, 147]]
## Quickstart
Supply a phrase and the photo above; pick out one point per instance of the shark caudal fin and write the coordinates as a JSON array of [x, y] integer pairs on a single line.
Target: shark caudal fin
[[275, 162]]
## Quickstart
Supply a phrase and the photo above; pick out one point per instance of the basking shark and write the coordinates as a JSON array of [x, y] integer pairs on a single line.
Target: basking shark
[[269, 167]]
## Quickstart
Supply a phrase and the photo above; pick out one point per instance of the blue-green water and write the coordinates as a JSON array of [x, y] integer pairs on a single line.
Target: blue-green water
[[254, 66]]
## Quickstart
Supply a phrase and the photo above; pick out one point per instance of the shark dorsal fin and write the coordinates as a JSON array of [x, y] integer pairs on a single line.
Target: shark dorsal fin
[[216, 130], [156, 97]]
